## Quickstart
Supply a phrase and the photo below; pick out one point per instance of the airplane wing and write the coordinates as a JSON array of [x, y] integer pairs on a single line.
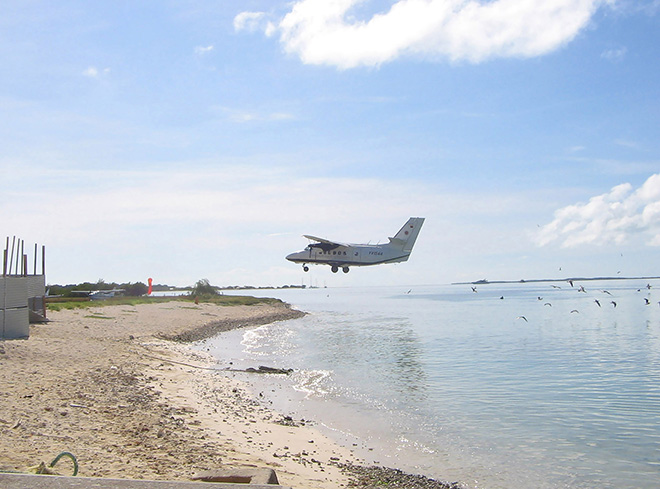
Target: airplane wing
[[324, 241]]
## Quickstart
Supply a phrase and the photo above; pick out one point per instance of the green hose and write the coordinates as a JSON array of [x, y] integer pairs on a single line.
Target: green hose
[[71, 456]]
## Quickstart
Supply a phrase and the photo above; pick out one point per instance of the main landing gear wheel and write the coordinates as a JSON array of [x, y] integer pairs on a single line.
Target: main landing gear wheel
[[305, 268], [346, 269], [335, 269]]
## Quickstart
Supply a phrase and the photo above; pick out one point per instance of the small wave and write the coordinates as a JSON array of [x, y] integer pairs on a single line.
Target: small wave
[[312, 382], [267, 340]]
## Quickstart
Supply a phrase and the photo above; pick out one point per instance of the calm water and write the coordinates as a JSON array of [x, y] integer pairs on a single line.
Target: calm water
[[456, 385]]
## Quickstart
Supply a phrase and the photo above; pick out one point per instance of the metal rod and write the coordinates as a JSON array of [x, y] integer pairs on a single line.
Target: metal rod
[[43, 260], [34, 270]]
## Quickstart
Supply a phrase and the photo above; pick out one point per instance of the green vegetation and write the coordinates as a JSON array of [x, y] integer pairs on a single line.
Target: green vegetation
[[75, 297], [136, 289], [203, 289], [220, 300]]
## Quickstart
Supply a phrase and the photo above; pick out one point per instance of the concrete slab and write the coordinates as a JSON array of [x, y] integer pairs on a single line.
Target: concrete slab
[[29, 481], [238, 476]]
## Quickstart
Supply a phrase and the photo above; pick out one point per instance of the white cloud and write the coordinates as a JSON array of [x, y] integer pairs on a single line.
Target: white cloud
[[614, 55], [615, 217], [202, 50], [94, 72], [627, 144], [648, 7], [239, 115], [250, 21], [327, 32]]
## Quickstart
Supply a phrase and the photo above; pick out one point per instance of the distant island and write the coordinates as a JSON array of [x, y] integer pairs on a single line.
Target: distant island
[[536, 280]]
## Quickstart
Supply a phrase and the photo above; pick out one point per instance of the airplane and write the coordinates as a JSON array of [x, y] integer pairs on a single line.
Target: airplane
[[344, 255]]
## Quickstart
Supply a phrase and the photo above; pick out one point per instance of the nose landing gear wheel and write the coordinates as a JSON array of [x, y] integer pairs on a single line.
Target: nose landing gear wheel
[[305, 268]]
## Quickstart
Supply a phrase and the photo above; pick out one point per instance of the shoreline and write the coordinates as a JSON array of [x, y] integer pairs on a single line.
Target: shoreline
[[119, 387]]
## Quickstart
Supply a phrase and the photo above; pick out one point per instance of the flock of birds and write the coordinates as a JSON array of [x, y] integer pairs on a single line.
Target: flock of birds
[[581, 289]]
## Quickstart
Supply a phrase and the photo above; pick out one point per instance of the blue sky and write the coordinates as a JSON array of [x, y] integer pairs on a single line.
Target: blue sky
[[182, 140]]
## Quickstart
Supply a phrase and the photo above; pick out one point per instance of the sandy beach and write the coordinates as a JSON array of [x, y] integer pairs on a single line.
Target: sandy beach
[[105, 385]]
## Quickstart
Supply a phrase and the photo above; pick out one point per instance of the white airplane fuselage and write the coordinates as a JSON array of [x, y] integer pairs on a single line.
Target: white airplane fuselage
[[345, 255]]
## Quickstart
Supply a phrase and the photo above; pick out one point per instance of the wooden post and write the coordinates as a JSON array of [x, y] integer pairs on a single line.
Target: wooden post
[[11, 256], [23, 260], [34, 270], [4, 258], [43, 260]]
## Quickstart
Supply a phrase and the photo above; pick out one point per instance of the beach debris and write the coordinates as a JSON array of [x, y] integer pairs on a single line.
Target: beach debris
[[375, 476], [42, 469], [239, 476], [269, 370], [287, 421]]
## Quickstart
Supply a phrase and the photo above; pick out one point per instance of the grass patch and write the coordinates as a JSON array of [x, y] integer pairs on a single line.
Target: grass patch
[[220, 300]]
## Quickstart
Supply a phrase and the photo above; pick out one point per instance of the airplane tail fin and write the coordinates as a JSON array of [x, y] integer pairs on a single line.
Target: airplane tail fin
[[407, 235]]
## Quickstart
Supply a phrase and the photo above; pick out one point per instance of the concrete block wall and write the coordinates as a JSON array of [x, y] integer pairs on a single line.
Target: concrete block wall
[[14, 317]]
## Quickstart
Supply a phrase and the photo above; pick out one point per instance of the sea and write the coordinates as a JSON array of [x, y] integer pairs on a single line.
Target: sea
[[519, 385]]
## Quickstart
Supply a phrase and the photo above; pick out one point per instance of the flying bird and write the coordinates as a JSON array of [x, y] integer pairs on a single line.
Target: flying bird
[[606, 292], [647, 301], [474, 289], [597, 302], [575, 310], [522, 317], [581, 289], [613, 303]]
